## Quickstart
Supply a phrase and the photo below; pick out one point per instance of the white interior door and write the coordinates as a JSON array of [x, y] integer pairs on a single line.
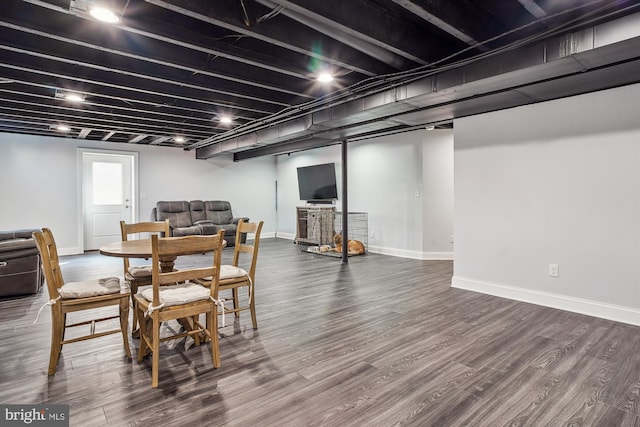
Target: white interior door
[[108, 197]]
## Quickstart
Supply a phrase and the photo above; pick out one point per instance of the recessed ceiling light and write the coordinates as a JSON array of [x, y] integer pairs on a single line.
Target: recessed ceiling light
[[325, 77], [179, 139], [104, 15], [63, 128], [225, 120], [74, 97]]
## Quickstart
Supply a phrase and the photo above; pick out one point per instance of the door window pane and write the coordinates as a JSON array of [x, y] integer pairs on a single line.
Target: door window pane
[[107, 183]]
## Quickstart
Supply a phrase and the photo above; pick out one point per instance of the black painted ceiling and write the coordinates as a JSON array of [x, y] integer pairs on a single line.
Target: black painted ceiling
[[174, 67]]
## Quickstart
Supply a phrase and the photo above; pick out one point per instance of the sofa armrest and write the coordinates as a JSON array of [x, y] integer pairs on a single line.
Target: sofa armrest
[[237, 220], [153, 216]]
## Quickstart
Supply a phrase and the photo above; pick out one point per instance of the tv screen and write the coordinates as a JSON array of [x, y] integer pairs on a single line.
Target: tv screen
[[317, 182]]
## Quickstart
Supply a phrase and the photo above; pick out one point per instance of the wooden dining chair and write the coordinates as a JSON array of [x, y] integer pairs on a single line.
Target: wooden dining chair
[[233, 277], [175, 296], [139, 275], [72, 297]]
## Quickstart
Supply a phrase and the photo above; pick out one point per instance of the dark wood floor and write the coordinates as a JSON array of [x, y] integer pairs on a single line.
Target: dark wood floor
[[381, 341]]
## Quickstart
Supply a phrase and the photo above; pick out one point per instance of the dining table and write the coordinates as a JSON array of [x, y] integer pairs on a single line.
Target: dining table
[[136, 249], [140, 248]]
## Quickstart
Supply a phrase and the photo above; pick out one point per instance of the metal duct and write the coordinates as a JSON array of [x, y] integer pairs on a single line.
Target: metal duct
[[598, 57]]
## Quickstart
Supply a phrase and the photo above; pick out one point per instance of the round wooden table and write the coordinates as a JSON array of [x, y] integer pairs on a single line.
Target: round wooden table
[[137, 249]]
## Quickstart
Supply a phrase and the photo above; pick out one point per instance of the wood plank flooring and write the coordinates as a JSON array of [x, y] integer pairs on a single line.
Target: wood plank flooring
[[382, 341]]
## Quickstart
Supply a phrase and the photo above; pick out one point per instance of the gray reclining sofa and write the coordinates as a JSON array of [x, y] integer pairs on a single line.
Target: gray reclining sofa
[[20, 267], [198, 217]]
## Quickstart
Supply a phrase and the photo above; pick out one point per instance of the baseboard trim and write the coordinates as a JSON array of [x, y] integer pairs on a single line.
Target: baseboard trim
[[402, 253], [438, 256], [287, 236], [70, 251], [602, 310]]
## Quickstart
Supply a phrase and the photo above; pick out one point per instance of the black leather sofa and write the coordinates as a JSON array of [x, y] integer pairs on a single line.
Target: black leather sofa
[[198, 217], [20, 266]]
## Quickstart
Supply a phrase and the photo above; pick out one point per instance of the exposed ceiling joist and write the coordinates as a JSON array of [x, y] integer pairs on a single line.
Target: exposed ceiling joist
[[107, 136], [175, 68], [220, 15], [533, 8], [369, 45], [137, 139], [440, 23]]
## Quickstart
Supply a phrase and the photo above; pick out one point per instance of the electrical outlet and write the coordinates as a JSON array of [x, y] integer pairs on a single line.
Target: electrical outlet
[[373, 234], [553, 270], [451, 239]]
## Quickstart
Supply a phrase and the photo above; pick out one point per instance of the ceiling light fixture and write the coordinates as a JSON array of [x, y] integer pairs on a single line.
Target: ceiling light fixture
[[179, 139], [325, 77], [74, 97], [63, 128], [430, 127], [225, 120], [69, 96], [104, 15]]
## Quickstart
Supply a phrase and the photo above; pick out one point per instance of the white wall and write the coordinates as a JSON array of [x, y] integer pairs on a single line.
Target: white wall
[[383, 177], [437, 194], [552, 183], [39, 176]]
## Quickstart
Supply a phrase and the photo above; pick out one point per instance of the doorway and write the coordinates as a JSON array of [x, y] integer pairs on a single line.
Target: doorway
[[108, 195]]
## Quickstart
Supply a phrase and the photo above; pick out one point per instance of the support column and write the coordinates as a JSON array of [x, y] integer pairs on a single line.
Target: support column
[[345, 208]]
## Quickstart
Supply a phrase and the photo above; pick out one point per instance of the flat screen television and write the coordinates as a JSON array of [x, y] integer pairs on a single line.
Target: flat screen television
[[317, 183]]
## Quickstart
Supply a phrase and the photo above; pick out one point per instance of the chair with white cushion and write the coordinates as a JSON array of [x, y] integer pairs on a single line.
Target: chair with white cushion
[[140, 275], [175, 296], [71, 297], [234, 277]]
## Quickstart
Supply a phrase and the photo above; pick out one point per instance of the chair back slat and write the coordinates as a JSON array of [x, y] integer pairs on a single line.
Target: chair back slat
[[144, 227], [254, 228], [184, 275], [50, 261]]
